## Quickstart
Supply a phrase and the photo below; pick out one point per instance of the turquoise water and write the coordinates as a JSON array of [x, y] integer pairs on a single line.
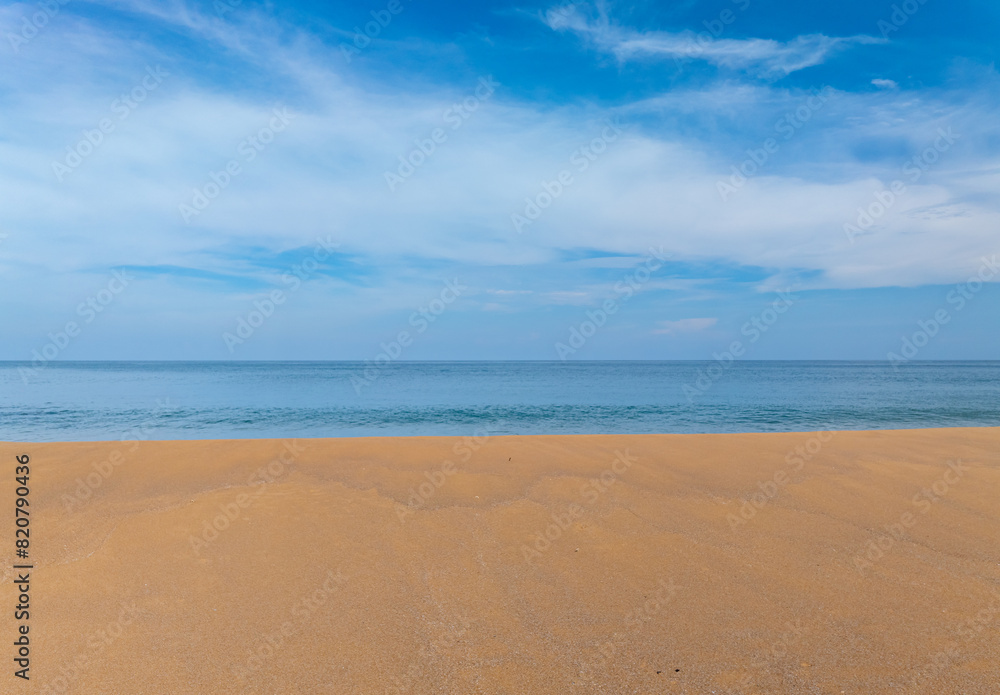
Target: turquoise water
[[74, 401]]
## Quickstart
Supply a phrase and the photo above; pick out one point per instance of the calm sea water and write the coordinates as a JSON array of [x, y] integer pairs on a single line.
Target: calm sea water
[[76, 401]]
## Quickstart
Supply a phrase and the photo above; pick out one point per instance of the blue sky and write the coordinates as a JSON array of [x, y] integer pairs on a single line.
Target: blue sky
[[356, 158]]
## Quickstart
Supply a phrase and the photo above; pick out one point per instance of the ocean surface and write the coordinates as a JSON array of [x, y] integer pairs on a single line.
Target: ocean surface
[[81, 401]]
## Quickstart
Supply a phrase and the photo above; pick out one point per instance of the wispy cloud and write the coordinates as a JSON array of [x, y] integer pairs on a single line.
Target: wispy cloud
[[763, 57], [326, 174], [684, 326], [884, 84]]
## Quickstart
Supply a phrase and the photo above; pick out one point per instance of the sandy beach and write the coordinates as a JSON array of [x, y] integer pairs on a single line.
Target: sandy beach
[[849, 562]]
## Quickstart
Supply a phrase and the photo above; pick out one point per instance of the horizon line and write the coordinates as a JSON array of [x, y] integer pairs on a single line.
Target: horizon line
[[470, 361]]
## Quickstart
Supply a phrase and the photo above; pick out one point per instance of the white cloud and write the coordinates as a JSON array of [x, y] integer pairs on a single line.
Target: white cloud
[[684, 326], [884, 84], [764, 57], [651, 187]]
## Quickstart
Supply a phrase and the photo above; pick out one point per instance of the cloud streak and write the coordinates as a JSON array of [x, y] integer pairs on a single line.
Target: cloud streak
[[684, 326], [760, 57]]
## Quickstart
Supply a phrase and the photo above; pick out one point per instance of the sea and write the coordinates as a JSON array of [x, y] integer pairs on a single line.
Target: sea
[[94, 401]]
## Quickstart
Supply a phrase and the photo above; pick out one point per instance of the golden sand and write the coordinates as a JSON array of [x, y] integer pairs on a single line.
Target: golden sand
[[851, 562]]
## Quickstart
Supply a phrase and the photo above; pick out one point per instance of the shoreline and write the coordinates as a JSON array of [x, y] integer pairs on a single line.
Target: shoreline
[[395, 437]]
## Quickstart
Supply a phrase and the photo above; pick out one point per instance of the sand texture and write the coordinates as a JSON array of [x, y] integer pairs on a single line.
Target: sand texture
[[851, 562]]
